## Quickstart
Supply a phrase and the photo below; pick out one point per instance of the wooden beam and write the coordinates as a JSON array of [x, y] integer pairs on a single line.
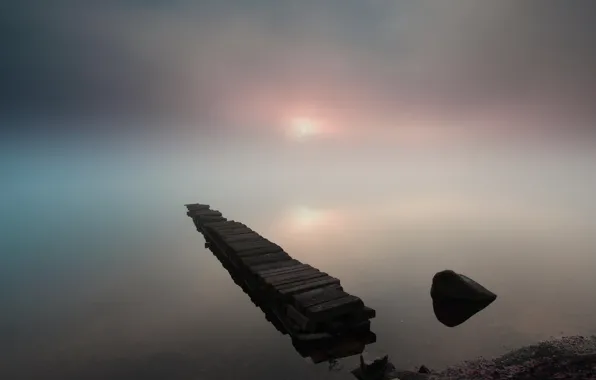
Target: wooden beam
[[334, 308], [257, 251], [294, 277], [314, 297], [205, 212], [240, 246], [277, 271], [267, 258], [308, 285], [197, 206], [248, 236], [257, 269]]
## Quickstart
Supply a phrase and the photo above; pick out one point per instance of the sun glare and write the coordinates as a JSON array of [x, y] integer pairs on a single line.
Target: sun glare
[[306, 218], [303, 127]]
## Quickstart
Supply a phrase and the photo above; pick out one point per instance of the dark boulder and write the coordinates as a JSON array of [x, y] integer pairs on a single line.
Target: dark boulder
[[456, 298], [450, 285]]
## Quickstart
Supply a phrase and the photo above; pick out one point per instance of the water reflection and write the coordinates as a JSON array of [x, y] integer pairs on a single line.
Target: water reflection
[[304, 220], [453, 313], [122, 243]]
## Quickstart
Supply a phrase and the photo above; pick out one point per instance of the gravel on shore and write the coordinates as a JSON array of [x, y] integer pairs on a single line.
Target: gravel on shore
[[565, 358]]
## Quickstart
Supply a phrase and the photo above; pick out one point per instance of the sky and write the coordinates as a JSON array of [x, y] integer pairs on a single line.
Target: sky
[[333, 67]]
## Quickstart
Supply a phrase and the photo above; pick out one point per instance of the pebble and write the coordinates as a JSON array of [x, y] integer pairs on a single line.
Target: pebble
[[548, 358]]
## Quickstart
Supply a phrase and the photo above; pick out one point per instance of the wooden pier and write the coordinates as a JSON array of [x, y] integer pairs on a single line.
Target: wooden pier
[[309, 305], [318, 351]]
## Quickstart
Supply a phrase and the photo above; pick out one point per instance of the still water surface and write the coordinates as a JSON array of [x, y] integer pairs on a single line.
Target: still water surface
[[104, 276]]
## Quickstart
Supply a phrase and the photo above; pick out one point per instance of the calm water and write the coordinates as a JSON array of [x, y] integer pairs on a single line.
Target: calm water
[[104, 276]]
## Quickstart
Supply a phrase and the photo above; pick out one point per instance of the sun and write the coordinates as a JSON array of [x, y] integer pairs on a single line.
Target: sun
[[303, 127], [306, 217]]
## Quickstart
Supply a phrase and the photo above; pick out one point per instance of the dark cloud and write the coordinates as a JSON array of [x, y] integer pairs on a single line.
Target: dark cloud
[[249, 62]]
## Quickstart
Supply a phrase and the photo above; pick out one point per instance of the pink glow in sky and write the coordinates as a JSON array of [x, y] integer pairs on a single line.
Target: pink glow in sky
[[358, 67]]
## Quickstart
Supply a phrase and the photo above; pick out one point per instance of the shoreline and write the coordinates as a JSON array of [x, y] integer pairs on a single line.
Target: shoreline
[[572, 357]]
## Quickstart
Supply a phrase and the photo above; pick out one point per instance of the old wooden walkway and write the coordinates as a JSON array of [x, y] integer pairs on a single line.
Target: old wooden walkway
[[318, 351], [298, 299]]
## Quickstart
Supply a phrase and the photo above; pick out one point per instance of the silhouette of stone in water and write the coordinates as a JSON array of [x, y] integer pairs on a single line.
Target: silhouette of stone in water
[[453, 313], [378, 369], [456, 298]]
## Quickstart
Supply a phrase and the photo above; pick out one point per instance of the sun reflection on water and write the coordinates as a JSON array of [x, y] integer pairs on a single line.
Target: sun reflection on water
[[301, 220]]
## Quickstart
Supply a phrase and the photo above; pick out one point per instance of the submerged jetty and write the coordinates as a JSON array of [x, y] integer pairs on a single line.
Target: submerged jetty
[[311, 306]]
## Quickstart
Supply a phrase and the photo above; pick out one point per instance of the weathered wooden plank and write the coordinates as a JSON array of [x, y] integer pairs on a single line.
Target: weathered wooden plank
[[290, 284], [303, 279], [294, 277], [257, 269], [267, 258], [314, 297], [209, 219], [257, 251], [242, 246], [274, 277], [197, 206], [205, 212], [234, 230], [251, 261], [244, 236], [302, 321], [278, 271], [307, 285], [229, 225], [226, 236], [243, 239], [334, 308], [215, 224]]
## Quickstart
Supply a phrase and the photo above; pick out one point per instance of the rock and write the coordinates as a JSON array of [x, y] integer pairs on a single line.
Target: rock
[[376, 366], [379, 369], [456, 297], [423, 369], [410, 375], [565, 358], [450, 285], [453, 313]]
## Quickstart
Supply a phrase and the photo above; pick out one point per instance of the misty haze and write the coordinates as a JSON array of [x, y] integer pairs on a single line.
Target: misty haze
[[380, 143]]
